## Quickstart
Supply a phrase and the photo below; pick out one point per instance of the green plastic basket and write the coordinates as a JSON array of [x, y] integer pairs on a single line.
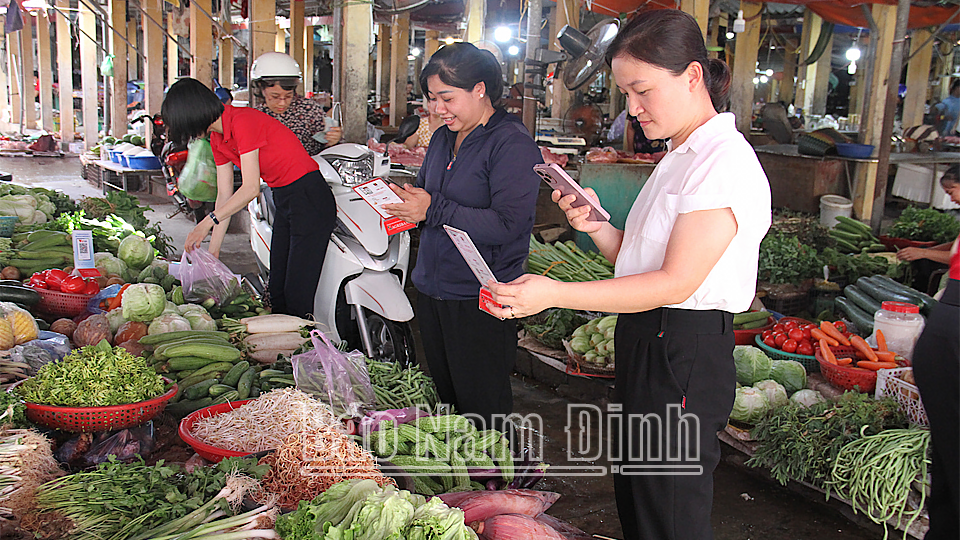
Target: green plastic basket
[[809, 362], [7, 225]]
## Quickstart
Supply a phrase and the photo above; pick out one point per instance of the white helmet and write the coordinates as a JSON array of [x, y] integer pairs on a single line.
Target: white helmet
[[275, 65]]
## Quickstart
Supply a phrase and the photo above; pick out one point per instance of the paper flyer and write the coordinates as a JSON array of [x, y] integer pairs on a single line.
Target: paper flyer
[[377, 193], [475, 261]]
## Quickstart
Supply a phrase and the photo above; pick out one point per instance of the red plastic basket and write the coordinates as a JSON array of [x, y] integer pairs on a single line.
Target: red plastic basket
[[846, 377], [61, 303], [893, 243], [93, 419], [208, 451]]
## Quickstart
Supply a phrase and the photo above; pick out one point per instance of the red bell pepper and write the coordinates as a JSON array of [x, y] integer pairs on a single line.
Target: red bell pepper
[[54, 277], [91, 287], [73, 284]]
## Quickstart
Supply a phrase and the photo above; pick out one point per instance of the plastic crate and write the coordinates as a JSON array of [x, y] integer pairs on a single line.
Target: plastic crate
[[62, 304], [889, 384], [95, 419], [809, 362], [7, 225], [792, 304]]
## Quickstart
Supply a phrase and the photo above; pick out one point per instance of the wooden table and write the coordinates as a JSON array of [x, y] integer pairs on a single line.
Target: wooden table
[[110, 172]]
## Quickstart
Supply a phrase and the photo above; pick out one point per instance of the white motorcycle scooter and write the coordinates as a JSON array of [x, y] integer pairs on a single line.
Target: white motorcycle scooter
[[360, 296]]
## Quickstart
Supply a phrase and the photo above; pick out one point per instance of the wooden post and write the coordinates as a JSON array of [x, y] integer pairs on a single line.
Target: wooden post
[[431, 44], [45, 71], [5, 85], [787, 85], [918, 78], [822, 85], [173, 54], [383, 64], [296, 37], [871, 122], [567, 13], [806, 74], [614, 107], [744, 68], [117, 12], [700, 9], [713, 37], [65, 75], [476, 20], [226, 47], [153, 39], [280, 40], [201, 42], [26, 61], [308, 58], [357, 22], [263, 31], [399, 66], [88, 77], [133, 61], [15, 71]]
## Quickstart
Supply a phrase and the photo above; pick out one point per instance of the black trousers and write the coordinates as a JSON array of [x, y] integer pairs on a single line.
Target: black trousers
[[306, 215], [675, 375], [471, 355], [936, 368]]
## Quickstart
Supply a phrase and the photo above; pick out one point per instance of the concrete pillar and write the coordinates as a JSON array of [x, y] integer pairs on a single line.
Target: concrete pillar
[[745, 67], [226, 48], [308, 58], [133, 62], [45, 71], [88, 77], [822, 85], [399, 66], [26, 61], [296, 36], [117, 12], [567, 13], [153, 39], [918, 76], [5, 84], [806, 75], [173, 55], [263, 27], [476, 13], [65, 74], [201, 43], [431, 44], [15, 71], [787, 85], [700, 9], [383, 64], [357, 21]]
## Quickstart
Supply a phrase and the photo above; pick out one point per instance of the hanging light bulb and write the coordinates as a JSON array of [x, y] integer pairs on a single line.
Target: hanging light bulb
[[730, 35], [502, 34], [852, 68], [853, 53], [769, 72], [449, 40], [739, 25], [756, 81], [764, 79]]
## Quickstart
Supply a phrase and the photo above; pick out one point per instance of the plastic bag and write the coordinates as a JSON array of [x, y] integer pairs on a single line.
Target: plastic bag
[[51, 347], [17, 326], [198, 180], [95, 304], [372, 421], [206, 280], [88, 449], [337, 378]]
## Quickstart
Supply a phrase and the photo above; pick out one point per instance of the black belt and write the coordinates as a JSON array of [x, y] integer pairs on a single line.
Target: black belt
[[710, 321]]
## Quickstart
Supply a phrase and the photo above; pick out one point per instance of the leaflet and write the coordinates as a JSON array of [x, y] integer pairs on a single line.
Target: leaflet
[[475, 261], [377, 193]]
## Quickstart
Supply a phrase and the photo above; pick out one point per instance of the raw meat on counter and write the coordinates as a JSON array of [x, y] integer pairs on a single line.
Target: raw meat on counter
[[612, 155], [400, 154], [550, 157]]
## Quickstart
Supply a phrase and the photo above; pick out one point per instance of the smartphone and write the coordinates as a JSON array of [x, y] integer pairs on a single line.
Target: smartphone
[[557, 178]]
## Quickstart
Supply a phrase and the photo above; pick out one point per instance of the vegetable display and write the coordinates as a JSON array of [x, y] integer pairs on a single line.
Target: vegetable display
[[853, 236], [39, 251], [925, 225], [553, 326], [397, 386], [143, 302], [26, 462], [862, 300], [564, 261], [749, 405], [94, 376], [752, 365], [750, 320], [269, 336], [594, 341], [57, 280]]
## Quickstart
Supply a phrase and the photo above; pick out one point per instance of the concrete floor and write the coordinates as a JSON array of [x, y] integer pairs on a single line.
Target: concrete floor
[[746, 503]]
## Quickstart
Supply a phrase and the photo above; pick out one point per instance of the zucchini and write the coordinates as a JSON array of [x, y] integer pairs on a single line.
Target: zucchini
[[54, 239], [846, 246], [750, 316], [882, 292], [859, 317], [928, 301], [212, 351], [19, 295], [200, 389], [219, 389], [233, 376], [161, 349], [156, 339], [861, 299]]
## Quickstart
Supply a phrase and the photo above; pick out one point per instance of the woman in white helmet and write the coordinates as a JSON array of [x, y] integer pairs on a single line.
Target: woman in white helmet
[[274, 78]]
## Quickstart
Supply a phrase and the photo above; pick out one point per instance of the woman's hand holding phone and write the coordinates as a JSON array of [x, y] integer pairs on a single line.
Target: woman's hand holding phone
[[578, 216]]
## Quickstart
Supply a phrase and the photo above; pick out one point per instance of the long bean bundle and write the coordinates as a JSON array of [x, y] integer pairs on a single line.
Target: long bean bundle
[[876, 473], [564, 261], [396, 386]]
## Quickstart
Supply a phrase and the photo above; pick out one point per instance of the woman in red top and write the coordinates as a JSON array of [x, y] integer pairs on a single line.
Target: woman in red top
[[263, 148]]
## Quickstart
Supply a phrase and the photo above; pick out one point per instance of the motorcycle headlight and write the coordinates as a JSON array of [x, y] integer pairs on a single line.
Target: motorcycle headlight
[[354, 172]]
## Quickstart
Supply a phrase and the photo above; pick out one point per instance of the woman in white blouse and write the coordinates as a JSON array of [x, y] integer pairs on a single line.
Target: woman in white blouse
[[685, 262]]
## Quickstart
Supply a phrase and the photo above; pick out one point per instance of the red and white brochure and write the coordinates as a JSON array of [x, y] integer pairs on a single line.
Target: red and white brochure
[[377, 193], [475, 261]]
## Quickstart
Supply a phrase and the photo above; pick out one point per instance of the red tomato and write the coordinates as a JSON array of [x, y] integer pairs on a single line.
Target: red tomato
[[779, 328], [779, 339], [806, 331], [790, 325], [840, 326], [73, 284], [795, 334], [766, 333], [91, 287], [789, 346], [805, 348], [769, 342], [54, 277]]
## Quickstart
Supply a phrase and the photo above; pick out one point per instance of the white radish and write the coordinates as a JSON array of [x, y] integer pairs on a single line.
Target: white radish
[[269, 356], [274, 341], [275, 323]]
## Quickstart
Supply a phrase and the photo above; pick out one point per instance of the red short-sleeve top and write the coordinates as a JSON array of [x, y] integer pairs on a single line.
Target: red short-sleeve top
[[282, 158]]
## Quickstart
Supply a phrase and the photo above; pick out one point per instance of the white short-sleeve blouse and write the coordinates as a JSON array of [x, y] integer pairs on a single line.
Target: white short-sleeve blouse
[[714, 168]]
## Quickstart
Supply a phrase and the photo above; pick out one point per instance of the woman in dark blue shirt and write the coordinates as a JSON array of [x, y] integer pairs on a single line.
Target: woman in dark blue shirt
[[477, 176]]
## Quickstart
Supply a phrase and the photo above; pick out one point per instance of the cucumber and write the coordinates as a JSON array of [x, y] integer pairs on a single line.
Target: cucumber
[[19, 295], [850, 229], [245, 385], [156, 339], [200, 389], [928, 301], [750, 316], [183, 408], [221, 367], [847, 246], [848, 236], [854, 223], [219, 389], [876, 248], [188, 362], [233, 376], [200, 377], [753, 325], [232, 395], [861, 299], [883, 293], [858, 316], [270, 373], [180, 375], [212, 351]]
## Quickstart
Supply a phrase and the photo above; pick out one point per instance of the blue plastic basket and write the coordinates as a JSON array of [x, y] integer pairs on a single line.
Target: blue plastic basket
[[7, 225], [142, 162], [853, 150]]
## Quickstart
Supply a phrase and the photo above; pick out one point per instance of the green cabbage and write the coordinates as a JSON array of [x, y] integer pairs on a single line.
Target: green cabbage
[[792, 375], [136, 251], [580, 344], [115, 318], [749, 405], [807, 398], [168, 322], [108, 264], [143, 302], [752, 365], [776, 394], [200, 320]]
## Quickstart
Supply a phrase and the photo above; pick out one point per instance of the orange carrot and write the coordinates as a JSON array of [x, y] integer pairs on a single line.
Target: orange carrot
[[818, 334], [876, 365], [881, 341], [826, 352], [844, 361], [861, 345], [831, 330], [886, 356]]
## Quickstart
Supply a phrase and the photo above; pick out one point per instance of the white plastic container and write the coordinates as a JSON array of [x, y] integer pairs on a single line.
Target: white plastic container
[[901, 324], [832, 206]]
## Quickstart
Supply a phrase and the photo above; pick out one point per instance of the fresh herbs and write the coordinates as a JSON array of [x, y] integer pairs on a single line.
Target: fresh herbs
[[784, 259], [119, 203], [12, 411], [853, 267], [556, 325], [925, 225], [799, 443], [94, 376]]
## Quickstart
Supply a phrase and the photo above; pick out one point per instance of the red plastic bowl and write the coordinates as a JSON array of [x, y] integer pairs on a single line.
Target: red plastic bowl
[[894, 243], [208, 451], [745, 337]]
